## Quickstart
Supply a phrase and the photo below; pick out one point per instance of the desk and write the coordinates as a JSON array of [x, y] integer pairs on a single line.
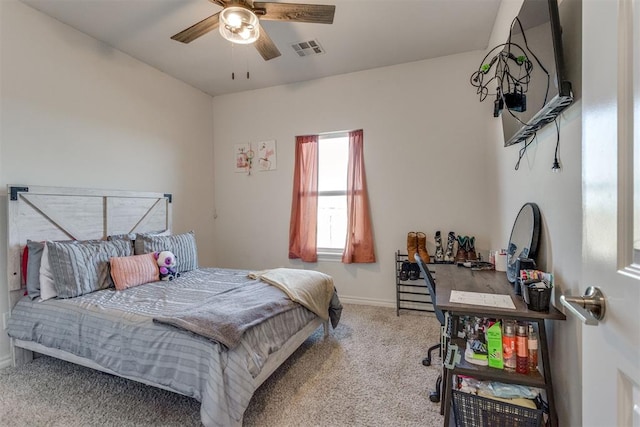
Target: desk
[[452, 277]]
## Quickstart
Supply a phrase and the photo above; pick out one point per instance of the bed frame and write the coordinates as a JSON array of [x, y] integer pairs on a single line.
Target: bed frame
[[58, 213]]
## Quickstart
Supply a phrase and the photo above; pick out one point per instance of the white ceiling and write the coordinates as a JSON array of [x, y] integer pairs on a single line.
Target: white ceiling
[[365, 34]]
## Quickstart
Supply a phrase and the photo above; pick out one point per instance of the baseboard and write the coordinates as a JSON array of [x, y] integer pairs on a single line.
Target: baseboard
[[381, 303], [367, 301], [5, 361]]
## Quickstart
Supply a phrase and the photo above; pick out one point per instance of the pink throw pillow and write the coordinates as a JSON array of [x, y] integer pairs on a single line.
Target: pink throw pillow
[[135, 270]]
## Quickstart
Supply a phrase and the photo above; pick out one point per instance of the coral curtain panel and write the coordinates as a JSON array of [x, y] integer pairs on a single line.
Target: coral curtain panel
[[304, 205], [359, 244]]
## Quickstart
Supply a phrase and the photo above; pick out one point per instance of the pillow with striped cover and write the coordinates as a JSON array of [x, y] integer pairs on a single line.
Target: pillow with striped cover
[[183, 247], [45, 279], [135, 270], [83, 267], [35, 251]]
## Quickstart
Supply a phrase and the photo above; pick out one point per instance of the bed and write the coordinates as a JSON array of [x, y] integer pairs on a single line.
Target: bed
[[145, 333]]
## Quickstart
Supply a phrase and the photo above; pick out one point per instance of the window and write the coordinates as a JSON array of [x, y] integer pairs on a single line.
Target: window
[[346, 222], [333, 159]]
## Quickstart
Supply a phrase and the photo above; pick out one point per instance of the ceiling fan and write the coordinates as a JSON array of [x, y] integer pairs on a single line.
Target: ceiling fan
[[238, 22]]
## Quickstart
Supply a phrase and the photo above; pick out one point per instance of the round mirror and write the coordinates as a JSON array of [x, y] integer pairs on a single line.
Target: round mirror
[[523, 243]]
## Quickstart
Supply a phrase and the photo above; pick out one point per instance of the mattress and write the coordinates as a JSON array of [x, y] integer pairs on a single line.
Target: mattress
[[116, 330]]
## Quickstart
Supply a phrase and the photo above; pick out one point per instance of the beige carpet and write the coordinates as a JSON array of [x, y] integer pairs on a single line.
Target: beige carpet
[[368, 372]]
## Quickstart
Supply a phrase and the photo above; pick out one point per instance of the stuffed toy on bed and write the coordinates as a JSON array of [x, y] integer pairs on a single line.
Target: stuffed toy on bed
[[167, 264]]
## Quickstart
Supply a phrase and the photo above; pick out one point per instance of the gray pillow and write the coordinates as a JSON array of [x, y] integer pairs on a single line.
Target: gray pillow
[[33, 268], [83, 267], [183, 247], [125, 236]]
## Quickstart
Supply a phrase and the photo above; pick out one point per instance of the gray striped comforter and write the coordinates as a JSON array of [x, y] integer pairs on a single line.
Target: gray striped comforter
[[116, 330]]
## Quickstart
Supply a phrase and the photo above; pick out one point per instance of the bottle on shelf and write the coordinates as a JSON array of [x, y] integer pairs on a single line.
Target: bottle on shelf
[[509, 345], [522, 354], [532, 343]]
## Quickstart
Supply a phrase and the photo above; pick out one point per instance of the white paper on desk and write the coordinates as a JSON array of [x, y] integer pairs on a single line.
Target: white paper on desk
[[479, 298]]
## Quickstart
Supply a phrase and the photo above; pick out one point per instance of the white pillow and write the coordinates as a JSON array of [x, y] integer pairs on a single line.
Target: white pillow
[[47, 288]]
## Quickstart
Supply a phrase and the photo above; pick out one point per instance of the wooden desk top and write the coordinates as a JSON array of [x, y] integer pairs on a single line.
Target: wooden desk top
[[451, 277]]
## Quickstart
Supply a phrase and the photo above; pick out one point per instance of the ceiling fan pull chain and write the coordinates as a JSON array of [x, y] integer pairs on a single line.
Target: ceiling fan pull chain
[[233, 74], [246, 60]]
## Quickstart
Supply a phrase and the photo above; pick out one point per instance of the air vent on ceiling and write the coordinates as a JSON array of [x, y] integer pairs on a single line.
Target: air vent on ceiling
[[308, 48]]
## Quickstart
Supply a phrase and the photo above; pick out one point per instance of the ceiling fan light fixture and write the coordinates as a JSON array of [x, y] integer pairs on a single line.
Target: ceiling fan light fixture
[[239, 25]]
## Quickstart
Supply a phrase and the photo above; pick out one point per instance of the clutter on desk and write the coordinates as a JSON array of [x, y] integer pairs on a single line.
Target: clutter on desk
[[497, 389], [498, 259], [500, 344], [494, 346], [477, 265], [535, 287]]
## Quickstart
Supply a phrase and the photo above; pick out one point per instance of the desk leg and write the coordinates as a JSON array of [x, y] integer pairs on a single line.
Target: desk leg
[[446, 401], [546, 367], [443, 389], [447, 377]]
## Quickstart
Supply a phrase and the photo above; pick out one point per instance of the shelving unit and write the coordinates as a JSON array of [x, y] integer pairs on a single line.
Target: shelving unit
[[463, 279], [411, 294]]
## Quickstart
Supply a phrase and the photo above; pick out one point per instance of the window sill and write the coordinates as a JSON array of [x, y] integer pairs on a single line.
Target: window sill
[[331, 256]]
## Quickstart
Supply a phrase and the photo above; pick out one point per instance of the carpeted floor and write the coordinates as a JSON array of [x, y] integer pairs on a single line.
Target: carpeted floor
[[366, 373]]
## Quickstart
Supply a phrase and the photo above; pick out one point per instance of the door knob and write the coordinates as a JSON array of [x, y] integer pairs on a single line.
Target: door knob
[[589, 308]]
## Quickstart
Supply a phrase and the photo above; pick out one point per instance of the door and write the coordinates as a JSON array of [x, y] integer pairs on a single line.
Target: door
[[611, 216]]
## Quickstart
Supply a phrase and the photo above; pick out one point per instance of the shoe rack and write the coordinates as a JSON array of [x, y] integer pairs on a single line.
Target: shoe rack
[[410, 294]]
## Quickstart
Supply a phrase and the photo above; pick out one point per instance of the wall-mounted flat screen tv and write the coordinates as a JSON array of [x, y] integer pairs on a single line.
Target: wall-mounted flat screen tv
[[542, 92]]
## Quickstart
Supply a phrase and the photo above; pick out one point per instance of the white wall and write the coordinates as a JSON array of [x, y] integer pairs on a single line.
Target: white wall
[[559, 196], [425, 161], [76, 113]]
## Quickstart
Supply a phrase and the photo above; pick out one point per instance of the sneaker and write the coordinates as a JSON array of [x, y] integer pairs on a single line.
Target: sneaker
[[414, 273], [404, 271]]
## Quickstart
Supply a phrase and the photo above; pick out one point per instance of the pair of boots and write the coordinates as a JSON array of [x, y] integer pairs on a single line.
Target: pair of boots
[[417, 243], [441, 255], [466, 249]]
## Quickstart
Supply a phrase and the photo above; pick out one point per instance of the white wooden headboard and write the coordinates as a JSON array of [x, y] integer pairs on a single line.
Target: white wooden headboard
[[58, 213]]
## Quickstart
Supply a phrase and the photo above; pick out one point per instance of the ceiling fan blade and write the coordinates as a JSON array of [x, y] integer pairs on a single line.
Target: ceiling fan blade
[[265, 46], [296, 12], [199, 29]]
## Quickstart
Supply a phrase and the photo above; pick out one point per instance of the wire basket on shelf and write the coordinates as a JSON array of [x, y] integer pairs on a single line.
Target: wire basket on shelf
[[471, 410]]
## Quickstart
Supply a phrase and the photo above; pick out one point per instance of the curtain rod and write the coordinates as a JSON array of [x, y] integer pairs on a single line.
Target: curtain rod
[[336, 132]]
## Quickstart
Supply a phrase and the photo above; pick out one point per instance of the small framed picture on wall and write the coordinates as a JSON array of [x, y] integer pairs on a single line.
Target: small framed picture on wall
[[242, 157], [267, 155]]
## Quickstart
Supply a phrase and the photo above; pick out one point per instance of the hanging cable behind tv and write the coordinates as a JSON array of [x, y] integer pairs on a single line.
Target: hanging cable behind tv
[[525, 75]]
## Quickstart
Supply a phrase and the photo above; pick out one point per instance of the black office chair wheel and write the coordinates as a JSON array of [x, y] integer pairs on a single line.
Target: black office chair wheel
[[434, 396], [427, 360]]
